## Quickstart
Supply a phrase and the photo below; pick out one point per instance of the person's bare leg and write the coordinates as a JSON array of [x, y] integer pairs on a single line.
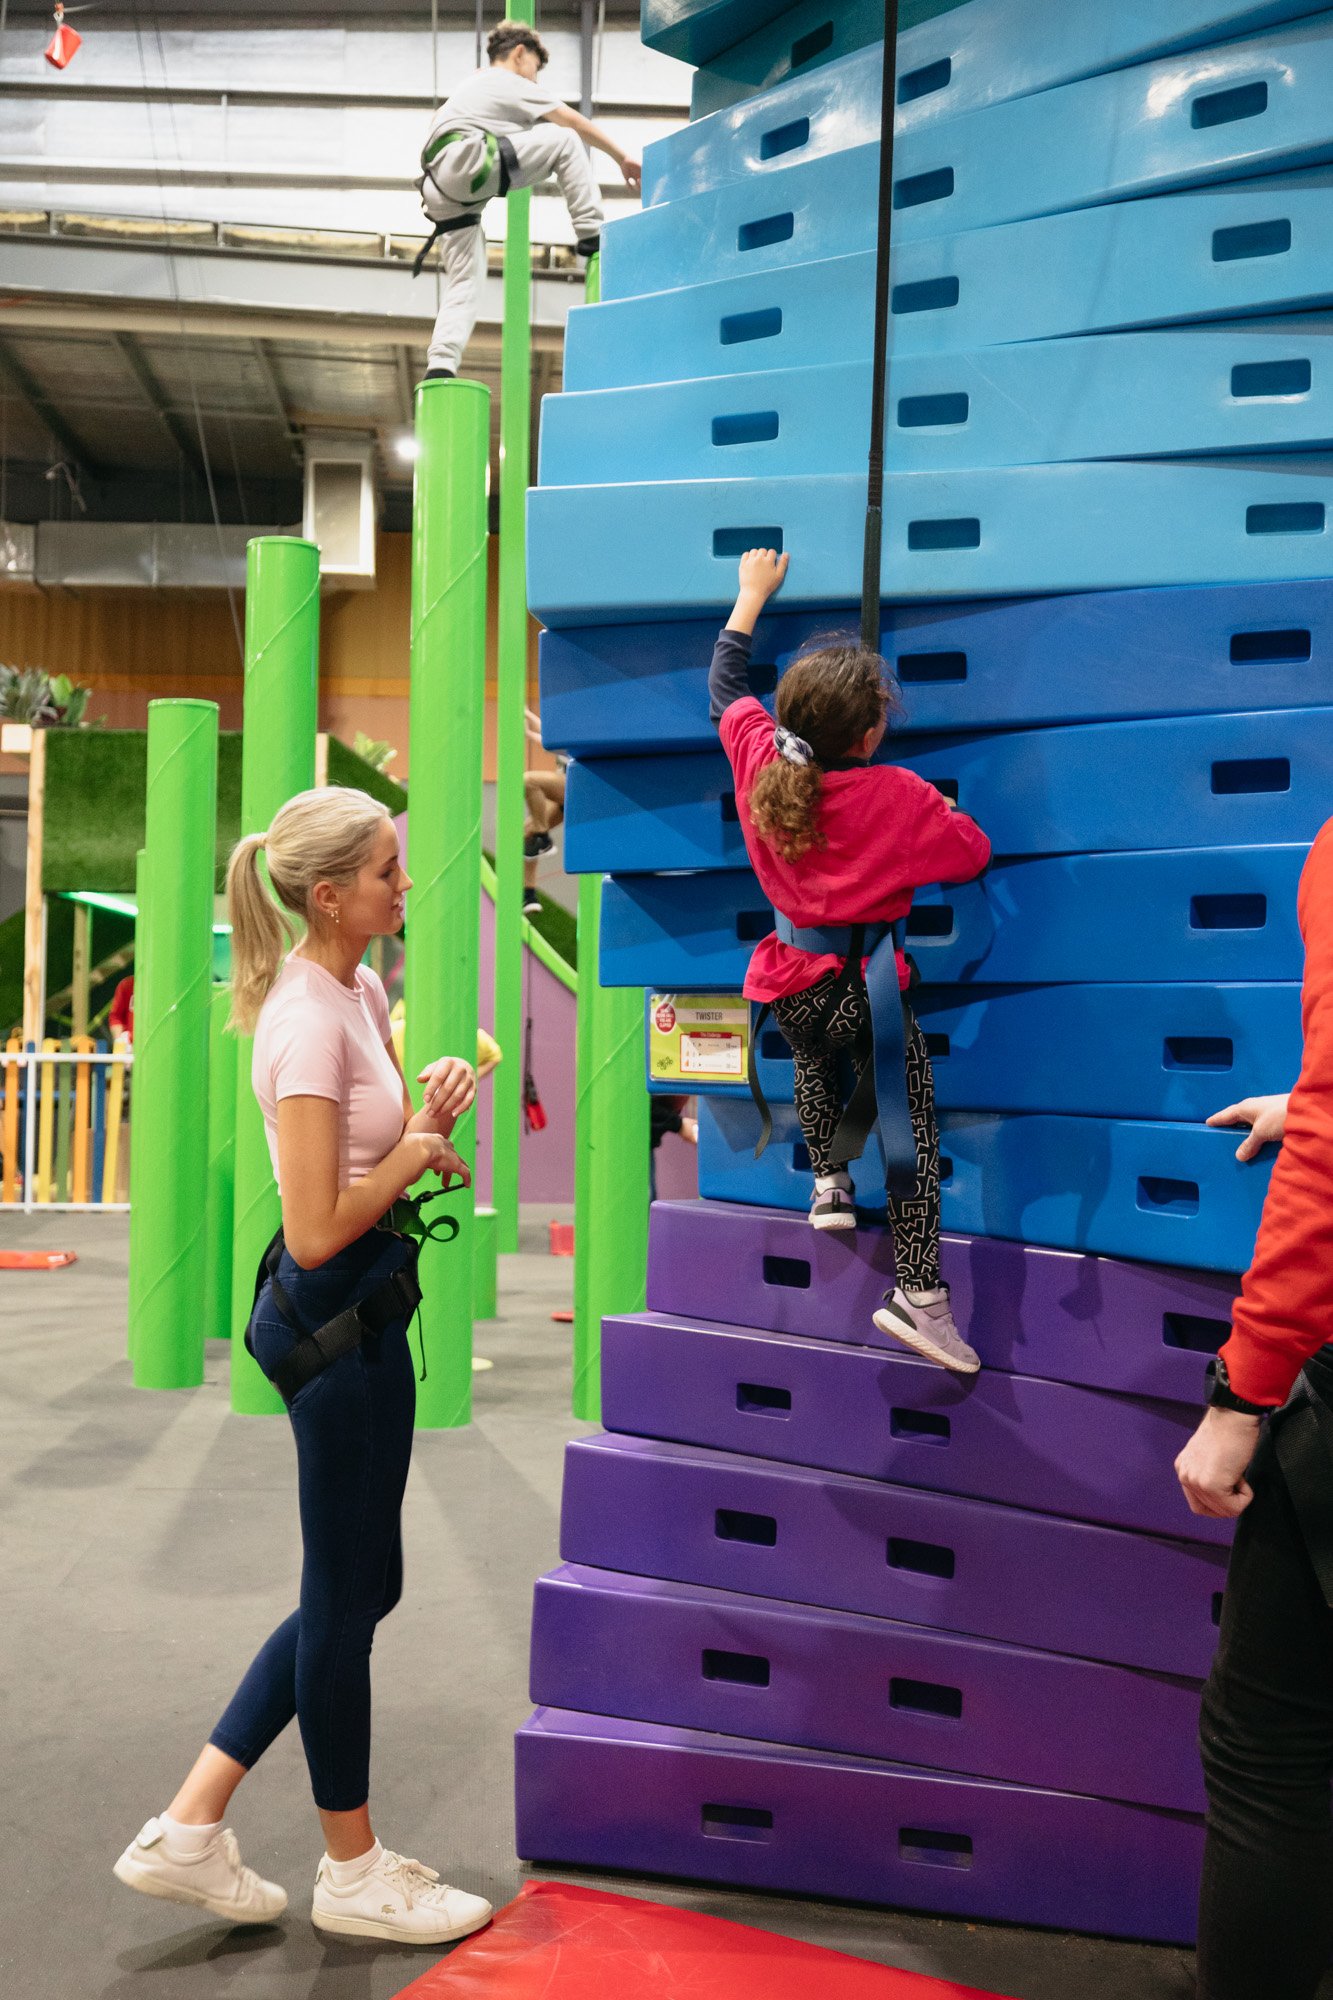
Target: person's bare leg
[[529, 874], [347, 1835], [204, 1797]]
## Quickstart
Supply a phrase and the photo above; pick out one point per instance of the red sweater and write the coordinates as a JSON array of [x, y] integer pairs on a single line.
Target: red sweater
[[1285, 1312], [886, 833]]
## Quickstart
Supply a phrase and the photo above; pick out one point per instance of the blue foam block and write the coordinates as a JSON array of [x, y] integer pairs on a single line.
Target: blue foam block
[[1097, 656], [694, 31], [670, 550], [1176, 1052], [1252, 247], [1190, 914], [789, 47], [707, 1659], [818, 208], [1196, 781], [1160, 1192], [1252, 386]]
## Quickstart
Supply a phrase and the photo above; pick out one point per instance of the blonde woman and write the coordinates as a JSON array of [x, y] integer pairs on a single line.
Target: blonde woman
[[330, 1329]]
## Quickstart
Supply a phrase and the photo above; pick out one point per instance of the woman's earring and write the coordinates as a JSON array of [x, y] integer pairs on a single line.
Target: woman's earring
[[337, 915]]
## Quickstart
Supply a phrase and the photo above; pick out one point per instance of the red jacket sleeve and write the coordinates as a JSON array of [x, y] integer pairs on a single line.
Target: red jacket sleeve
[[945, 845], [1285, 1311]]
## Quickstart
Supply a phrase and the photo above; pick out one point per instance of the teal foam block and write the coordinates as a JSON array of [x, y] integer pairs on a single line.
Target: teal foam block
[[1155, 1191], [694, 31], [642, 688], [794, 45], [1200, 914], [1211, 253], [1250, 386], [734, 326], [808, 210], [1195, 781], [671, 550]]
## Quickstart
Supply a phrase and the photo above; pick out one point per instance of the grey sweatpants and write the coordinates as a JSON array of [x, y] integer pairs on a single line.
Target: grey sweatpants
[[448, 191]]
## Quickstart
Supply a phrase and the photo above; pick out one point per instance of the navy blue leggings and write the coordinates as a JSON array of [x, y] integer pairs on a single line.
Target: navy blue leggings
[[353, 1427]]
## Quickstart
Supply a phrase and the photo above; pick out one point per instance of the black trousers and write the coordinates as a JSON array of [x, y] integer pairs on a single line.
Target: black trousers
[[823, 1024], [1266, 1905]]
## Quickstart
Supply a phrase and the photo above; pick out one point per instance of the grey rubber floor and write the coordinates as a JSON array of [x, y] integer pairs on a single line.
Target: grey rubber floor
[[150, 1543]]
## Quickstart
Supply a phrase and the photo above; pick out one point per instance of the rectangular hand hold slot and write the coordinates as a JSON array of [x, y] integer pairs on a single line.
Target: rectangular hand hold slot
[[963, 533], [807, 47], [743, 1669], [925, 295], [921, 1558], [946, 1169], [785, 139], [1210, 1052], [1269, 649], [1250, 775], [728, 809], [1287, 517], [930, 920], [919, 413], [759, 1400], [1217, 1607], [922, 1426], [922, 668], [917, 189], [800, 1158], [1228, 913], [1270, 378], [1251, 239], [926, 1698], [735, 328], [926, 81], [774, 1046], [946, 787], [1193, 1332], [939, 1850], [792, 1274], [763, 680], [768, 229], [737, 1823], [937, 1047], [1159, 1195], [1227, 107], [751, 925], [750, 427], [730, 1524], [728, 543]]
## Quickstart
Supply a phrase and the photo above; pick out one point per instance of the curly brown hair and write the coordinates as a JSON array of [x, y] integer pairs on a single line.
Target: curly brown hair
[[511, 35], [833, 692]]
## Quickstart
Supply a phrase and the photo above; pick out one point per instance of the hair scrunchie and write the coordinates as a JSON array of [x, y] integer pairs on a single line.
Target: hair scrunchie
[[793, 748]]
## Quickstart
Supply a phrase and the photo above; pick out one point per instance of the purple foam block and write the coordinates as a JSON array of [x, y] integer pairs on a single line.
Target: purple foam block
[[1080, 1453], [597, 1793], [1144, 1329], [806, 1537], [707, 1659]]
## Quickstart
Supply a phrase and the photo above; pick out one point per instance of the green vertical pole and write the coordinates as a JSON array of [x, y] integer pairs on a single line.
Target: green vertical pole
[[446, 705], [138, 1169], [277, 761], [171, 1042], [221, 1167], [611, 1141], [511, 699]]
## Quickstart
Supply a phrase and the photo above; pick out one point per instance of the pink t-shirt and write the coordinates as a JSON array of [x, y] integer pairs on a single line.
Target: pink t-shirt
[[316, 1037]]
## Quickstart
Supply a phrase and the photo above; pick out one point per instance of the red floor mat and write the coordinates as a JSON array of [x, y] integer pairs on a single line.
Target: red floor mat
[[555, 1942]]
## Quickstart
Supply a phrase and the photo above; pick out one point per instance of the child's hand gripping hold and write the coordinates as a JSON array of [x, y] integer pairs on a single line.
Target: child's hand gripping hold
[[761, 573]]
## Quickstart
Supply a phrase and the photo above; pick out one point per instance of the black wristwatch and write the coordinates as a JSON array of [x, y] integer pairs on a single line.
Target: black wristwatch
[[1221, 1395]]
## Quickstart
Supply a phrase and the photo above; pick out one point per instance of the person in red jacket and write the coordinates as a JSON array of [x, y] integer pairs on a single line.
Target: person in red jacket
[[1264, 1453], [838, 843]]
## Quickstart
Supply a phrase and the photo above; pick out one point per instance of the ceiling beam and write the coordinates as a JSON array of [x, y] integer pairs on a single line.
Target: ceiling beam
[[406, 373], [269, 376], [181, 435], [33, 394]]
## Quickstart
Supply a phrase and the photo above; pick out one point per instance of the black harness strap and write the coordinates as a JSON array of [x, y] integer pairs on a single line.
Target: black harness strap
[[508, 168], [874, 536]]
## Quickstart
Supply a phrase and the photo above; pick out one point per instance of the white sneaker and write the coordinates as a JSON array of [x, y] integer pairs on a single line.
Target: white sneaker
[[215, 1879], [928, 1330], [832, 1205], [397, 1899]]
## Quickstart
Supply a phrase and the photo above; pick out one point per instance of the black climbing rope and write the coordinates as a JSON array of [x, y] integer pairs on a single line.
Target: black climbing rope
[[870, 564]]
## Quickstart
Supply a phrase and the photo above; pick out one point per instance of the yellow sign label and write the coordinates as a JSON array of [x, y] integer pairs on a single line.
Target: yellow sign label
[[696, 1038]]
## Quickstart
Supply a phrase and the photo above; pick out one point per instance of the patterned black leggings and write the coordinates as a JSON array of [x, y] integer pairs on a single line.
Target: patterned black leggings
[[822, 1024]]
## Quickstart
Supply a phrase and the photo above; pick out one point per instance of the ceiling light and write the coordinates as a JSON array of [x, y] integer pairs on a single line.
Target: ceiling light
[[407, 446]]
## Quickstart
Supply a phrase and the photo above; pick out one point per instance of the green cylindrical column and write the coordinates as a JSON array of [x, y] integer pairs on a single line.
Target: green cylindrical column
[[611, 1141], [171, 1011], [511, 699], [277, 761], [221, 1167], [444, 828], [138, 1171]]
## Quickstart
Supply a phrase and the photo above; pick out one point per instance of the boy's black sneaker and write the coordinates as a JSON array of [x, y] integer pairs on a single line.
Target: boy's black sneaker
[[532, 903], [537, 844], [439, 375], [589, 246]]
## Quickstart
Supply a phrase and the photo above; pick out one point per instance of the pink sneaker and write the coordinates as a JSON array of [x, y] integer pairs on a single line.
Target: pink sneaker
[[928, 1330]]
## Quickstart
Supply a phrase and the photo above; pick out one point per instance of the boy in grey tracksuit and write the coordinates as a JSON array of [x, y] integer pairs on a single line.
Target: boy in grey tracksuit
[[501, 129]]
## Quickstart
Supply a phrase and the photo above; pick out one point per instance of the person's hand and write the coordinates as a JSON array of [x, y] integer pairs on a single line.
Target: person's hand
[[1211, 1469], [423, 1152], [761, 573], [689, 1131], [632, 169], [534, 724], [450, 1086], [1266, 1118], [454, 1164]]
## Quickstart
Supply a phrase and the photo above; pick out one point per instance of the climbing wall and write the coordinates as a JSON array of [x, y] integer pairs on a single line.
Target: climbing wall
[[832, 1621]]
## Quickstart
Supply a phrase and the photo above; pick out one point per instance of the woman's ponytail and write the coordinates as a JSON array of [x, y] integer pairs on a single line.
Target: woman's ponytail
[[260, 935], [829, 699]]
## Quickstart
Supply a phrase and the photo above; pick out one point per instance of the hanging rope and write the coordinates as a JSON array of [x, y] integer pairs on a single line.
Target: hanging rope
[[870, 565]]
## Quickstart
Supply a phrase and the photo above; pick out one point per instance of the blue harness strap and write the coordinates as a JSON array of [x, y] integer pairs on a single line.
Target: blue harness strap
[[880, 1099]]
